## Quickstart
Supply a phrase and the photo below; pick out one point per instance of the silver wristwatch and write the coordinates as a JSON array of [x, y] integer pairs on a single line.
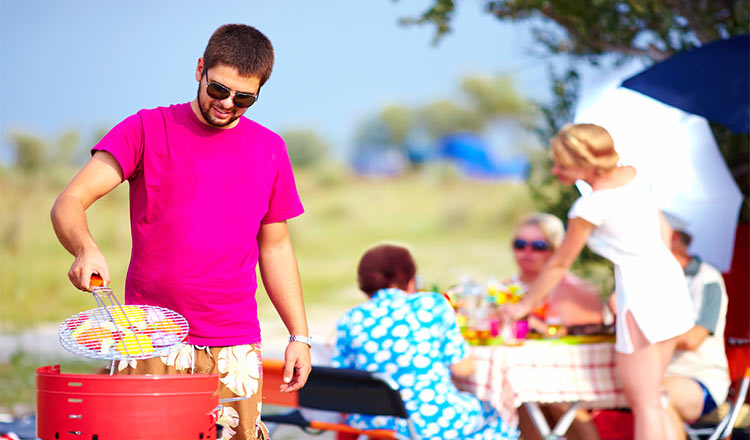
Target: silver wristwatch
[[303, 339]]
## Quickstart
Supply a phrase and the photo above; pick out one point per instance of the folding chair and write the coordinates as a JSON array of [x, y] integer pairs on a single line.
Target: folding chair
[[722, 430], [334, 389]]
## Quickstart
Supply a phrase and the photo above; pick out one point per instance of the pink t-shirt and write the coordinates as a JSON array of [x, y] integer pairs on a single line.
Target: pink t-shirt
[[198, 196]]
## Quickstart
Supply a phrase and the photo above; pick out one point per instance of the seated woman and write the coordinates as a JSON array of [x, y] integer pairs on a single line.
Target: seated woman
[[413, 341], [573, 302]]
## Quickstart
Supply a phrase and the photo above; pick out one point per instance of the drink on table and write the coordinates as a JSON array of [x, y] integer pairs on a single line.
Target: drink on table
[[555, 328]]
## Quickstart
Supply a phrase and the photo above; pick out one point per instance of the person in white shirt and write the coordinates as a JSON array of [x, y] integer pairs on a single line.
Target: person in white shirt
[[697, 377]]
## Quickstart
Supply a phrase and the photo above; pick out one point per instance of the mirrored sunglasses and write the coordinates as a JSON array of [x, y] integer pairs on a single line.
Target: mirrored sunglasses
[[536, 245], [220, 92]]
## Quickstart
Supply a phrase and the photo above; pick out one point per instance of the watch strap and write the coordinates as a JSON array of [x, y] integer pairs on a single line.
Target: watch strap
[[299, 338]]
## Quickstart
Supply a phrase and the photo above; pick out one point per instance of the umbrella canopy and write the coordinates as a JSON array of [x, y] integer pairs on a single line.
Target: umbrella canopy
[[678, 155], [712, 81]]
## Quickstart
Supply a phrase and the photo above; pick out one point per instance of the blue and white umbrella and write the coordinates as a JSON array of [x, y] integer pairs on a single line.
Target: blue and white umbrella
[[712, 81], [677, 153]]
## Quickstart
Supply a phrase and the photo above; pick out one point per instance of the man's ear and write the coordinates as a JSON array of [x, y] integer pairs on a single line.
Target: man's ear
[[199, 70], [676, 242]]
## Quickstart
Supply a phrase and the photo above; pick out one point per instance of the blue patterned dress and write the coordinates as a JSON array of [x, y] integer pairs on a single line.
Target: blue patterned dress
[[411, 340]]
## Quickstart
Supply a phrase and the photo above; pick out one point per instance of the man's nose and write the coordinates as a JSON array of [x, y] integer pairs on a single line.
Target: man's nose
[[227, 102]]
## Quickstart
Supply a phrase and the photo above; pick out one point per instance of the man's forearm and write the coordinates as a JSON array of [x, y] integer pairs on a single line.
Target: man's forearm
[[692, 339], [290, 307]]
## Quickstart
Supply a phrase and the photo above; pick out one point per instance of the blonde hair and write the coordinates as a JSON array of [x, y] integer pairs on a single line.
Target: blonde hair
[[551, 226], [585, 146]]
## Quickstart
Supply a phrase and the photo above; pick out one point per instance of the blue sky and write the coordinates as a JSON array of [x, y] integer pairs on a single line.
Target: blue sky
[[86, 64]]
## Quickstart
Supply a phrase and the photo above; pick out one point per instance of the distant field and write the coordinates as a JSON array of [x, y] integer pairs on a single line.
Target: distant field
[[454, 226]]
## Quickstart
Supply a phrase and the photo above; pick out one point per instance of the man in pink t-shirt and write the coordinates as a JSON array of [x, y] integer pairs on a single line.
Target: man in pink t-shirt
[[210, 193]]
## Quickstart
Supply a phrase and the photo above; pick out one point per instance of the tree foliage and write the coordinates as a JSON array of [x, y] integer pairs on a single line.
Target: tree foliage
[[653, 28], [305, 147], [495, 97], [35, 153], [68, 147], [487, 99], [484, 100], [398, 121], [30, 151], [445, 116]]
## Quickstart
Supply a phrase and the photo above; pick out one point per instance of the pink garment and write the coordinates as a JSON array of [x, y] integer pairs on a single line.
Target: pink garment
[[198, 196]]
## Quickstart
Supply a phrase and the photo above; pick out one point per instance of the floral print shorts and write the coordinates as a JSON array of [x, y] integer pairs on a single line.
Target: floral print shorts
[[240, 370]]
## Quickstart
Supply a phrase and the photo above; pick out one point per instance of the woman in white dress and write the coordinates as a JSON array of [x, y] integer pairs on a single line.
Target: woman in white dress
[[621, 222]]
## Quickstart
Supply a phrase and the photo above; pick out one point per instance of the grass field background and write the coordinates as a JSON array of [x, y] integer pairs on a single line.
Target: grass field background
[[454, 226]]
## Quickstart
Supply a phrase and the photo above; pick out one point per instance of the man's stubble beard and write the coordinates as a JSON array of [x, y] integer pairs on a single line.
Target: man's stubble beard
[[208, 117]]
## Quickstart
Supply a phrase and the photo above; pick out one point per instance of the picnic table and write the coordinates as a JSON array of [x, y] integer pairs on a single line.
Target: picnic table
[[546, 371]]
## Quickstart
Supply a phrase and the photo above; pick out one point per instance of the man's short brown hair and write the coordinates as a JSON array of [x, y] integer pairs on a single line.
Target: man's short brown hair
[[242, 47]]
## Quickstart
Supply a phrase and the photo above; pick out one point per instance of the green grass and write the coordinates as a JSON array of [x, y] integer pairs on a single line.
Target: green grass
[[18, 381]]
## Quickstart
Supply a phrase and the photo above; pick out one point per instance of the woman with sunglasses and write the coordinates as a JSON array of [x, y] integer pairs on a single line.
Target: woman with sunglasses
[[620, 221], [572, 302]]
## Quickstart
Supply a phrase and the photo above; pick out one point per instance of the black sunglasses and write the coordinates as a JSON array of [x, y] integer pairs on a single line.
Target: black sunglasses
[[536, 245], [221, 92]]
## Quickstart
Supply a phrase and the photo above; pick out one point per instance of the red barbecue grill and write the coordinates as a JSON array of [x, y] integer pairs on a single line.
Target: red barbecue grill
[[107, 407], [103, 407]]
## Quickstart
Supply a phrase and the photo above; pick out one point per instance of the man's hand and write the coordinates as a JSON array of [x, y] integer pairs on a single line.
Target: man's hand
[[297, 366], [88, 262]]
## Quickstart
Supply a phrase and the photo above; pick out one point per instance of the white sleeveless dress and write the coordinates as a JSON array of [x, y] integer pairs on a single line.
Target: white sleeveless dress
[[649, 282]]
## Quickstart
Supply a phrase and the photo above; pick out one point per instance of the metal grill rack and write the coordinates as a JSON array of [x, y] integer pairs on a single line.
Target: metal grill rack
[[116, 332]]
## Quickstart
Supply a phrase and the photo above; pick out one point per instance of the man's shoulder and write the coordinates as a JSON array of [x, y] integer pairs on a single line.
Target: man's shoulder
[[261, 131], [707, 271], [148, 115], [173, 108], [708, 268]]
